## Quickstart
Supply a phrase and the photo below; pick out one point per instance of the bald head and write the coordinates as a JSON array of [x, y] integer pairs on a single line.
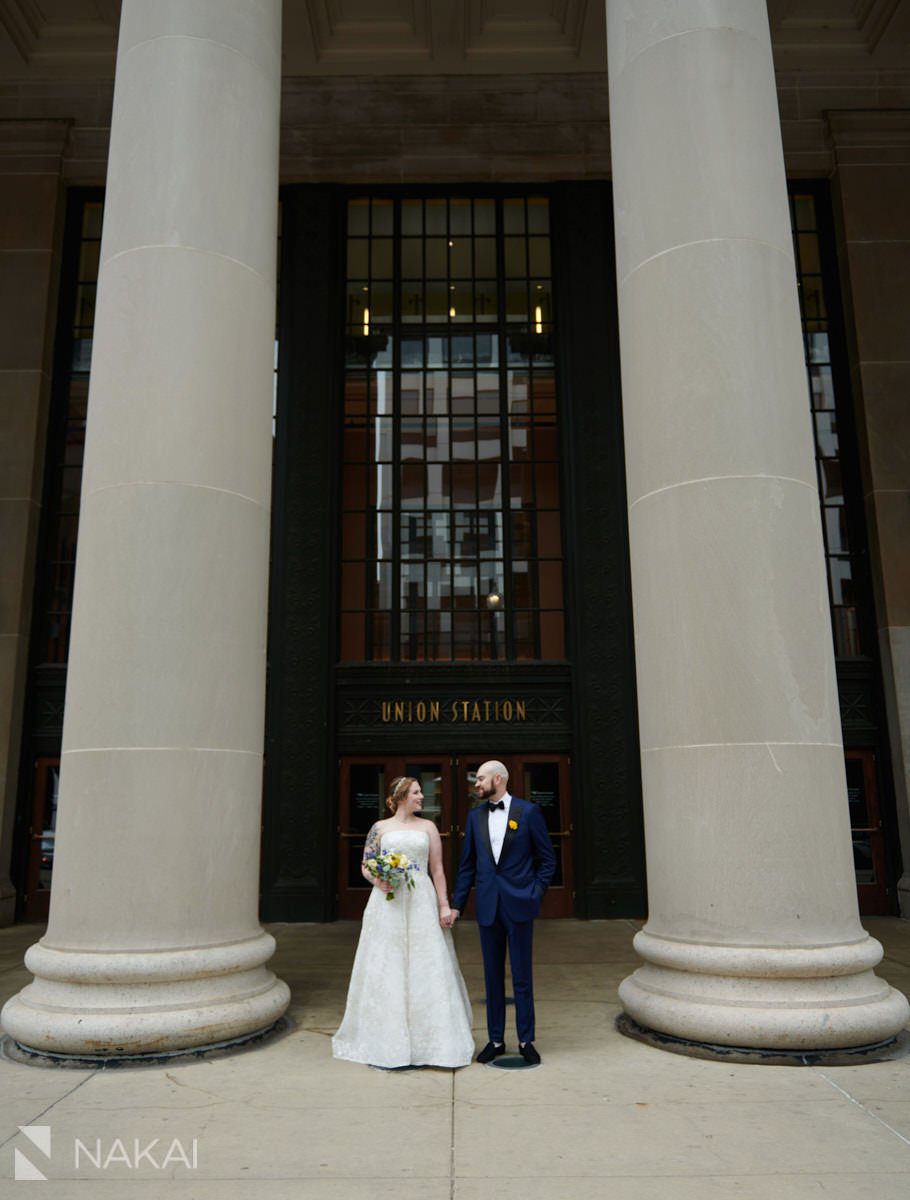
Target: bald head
[[492, 780]]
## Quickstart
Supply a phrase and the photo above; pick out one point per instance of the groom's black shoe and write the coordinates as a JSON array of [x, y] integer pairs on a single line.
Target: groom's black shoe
[[529, 1054], [490, 1051]]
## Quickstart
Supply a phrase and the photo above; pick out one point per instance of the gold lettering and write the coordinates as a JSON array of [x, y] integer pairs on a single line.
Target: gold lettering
[[399, 710], [386, 710], [464, 708], [486, 710], [507, 710], [434, 710], [496, 707], [454, 710], [475, 712], [520, 711], [421, 711]]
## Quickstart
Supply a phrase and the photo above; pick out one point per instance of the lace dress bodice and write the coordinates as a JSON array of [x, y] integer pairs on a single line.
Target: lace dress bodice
[[412, 842]]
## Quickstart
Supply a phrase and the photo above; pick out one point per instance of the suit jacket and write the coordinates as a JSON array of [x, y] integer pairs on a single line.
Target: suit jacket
[[517, 883]]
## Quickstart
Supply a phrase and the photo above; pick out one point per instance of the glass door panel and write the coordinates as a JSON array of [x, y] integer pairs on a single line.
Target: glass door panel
[[361, 803], [544, 780], [364, 783], [866, 828], [41, 839]]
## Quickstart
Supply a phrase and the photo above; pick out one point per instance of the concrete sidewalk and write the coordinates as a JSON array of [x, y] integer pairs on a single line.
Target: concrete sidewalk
[[603, 1117]]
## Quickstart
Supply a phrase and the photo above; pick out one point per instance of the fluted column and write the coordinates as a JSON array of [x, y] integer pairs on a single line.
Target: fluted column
[[153, 942], [753, 937]]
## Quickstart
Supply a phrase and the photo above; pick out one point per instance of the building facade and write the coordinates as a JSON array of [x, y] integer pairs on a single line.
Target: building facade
[[420, 387]]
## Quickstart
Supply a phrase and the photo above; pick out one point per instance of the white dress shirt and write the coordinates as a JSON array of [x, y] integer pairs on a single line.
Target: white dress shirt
[[499, 821]]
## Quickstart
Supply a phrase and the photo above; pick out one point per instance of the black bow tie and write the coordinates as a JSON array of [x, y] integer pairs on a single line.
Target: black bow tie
[[492, 805]]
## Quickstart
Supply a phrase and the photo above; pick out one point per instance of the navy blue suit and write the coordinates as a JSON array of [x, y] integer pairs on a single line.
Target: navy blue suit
[[507, 899]]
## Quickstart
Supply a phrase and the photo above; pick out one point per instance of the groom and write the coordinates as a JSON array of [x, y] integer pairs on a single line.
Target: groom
[[509, 858]]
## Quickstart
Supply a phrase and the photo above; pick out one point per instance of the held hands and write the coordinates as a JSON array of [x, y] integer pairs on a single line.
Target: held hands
[[448, 917]]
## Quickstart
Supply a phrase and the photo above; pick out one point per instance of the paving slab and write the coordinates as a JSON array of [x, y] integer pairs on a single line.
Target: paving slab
[[699, 1187]]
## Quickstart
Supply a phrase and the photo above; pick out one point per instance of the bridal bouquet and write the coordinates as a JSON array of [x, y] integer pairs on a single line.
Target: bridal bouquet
[[394, 868]]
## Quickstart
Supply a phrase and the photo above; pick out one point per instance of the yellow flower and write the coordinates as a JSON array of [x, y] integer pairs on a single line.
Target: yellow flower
[[513, 824], [403, 860], [394, 860]]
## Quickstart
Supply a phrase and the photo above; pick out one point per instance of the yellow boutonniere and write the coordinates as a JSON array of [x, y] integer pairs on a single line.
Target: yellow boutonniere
[[513, 824]]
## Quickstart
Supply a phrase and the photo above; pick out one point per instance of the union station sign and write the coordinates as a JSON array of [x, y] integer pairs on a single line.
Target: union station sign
[[452, 712]]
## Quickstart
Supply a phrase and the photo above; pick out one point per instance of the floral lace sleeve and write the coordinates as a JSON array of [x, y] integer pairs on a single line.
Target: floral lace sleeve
[[371, 849]]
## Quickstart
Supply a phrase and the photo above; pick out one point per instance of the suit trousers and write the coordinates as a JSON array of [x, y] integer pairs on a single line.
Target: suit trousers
[[493, 940]]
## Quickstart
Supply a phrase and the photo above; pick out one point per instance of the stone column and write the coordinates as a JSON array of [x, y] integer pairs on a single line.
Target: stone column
[[153, 942], [753, 937], [872, 190], [31, 155]]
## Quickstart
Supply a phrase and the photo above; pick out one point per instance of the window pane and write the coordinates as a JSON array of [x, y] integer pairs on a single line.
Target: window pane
[[460, 265], [380, 586], [550, 579], [412, 258], [822, 387], [552, 635], [412, 217], [841, 581], [485, 258], [381, 258], [412, 594], [517, 310], [836, 530], [412, 440], [484, 216], [381, 637], [413, 486], [539, 256], [353, 594], [513, 215], [463, 485], [832, 489], [826, 434], [353, 538], [353, 637], [380, 485]]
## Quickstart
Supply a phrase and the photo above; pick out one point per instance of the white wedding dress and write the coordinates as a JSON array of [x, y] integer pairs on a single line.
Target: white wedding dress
[[407, 1001]]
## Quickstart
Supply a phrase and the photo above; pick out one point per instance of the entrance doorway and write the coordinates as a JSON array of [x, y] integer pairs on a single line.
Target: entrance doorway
[[447, 781]]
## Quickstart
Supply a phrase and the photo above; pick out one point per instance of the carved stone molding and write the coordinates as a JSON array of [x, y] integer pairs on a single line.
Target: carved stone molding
[[33, 146], [865, 136], [82, 33], [837, 27]]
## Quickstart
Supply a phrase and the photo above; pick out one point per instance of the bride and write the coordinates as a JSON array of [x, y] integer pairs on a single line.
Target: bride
[[407, 1001]]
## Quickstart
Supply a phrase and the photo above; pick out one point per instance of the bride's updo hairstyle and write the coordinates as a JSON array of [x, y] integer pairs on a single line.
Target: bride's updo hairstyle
[[398, 789]]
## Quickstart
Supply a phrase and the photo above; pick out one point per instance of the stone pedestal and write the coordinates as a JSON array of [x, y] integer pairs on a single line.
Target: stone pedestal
[[753, 937], [153, 942]]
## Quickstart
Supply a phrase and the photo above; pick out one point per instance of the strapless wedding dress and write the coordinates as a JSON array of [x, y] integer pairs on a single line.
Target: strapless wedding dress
[[407, 1001]]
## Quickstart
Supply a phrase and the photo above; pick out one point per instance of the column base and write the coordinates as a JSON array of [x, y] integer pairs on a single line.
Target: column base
[[116, 1003], [764, 998], [890, 1051]]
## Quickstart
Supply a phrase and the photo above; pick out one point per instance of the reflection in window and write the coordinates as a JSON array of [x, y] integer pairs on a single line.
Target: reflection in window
[[450, 478], [66, 442], [835, 515]]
